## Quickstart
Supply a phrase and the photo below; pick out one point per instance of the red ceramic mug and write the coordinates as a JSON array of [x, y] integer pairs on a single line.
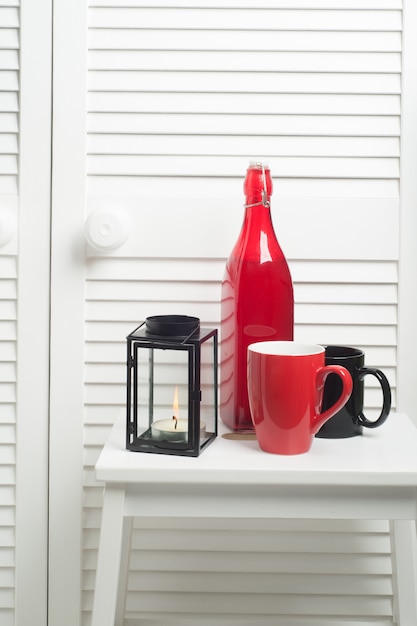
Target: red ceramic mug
[[285, 387]]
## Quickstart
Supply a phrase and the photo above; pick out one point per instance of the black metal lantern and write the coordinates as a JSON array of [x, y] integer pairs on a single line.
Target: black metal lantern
[[171, 386]]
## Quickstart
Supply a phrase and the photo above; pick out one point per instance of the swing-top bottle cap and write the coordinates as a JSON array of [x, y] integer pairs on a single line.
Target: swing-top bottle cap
[[258, 164]]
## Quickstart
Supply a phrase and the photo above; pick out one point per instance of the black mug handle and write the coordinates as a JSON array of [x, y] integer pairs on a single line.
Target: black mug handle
[[386, 393]]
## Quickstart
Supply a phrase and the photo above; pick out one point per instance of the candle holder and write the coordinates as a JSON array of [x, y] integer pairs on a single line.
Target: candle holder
[[171, 386]]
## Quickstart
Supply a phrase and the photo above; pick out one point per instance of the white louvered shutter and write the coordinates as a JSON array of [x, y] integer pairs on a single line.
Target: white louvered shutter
[[180, 97], [24, 309], [9, 65]]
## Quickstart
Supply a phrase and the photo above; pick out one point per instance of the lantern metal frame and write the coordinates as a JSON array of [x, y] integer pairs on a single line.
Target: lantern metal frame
[[175, 332]]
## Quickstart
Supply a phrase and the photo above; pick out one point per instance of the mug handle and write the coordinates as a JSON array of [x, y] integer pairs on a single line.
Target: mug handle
[[386, 393], [347, 386]]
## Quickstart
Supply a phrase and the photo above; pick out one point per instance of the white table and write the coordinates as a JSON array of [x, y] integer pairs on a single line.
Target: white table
[[368, 477]]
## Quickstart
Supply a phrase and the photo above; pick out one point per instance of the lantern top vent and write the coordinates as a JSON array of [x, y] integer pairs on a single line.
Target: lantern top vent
[[172, 326]]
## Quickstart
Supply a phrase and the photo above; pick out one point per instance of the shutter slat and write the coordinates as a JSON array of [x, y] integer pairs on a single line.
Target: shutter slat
[[122, 145], [261, 4], [149, 165], [220, 40], [264, 104], [298, 60], [245, 125], [250, 19]]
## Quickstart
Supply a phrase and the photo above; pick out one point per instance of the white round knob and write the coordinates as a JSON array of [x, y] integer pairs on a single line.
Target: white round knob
[[107, 229], [8, 225]]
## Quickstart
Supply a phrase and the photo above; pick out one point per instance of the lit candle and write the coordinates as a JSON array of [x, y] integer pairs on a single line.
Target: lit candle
[[170, 429], [174, 429]]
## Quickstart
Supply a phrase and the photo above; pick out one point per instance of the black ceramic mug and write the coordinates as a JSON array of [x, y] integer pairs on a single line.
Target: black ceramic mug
[[350, 420]]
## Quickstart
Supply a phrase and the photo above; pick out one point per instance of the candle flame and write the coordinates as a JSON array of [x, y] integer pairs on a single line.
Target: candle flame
[[175, 407]]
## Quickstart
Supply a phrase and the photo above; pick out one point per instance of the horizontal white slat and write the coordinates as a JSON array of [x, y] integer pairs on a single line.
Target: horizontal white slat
[[7, 496], [8, 164], [260, 4], [289, 187], [105, 361], [248, 125], [263, 104], [320, 332], [93, 519], [310, 270], [191, 291], [8, 454], [262, 541], [216, 561], [8, 288], [268, 40], [6, 578], [9, 59], [136, 311], [8, 122], [114, 373], [9, 16], [346, 314], [8, 144], [8, 351], [8, 184], [293, 60], [7, 434], [9, 39], [7, 330], [99, 415], [9, 80], [9, 102], [115, 394], [7, 309], [344, 272], [350, 294], [346, 335], [6, 598], [254, 603], [7, 477], [125, 144], [269, 583], [7, 557], [248, 19], [7, 516], [288, 166], [7, 536], [245, 82], [7, 392], [338, 314]]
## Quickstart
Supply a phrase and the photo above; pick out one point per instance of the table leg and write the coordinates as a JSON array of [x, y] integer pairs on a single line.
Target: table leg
[[124, 570], [109, 557], [404, 561]]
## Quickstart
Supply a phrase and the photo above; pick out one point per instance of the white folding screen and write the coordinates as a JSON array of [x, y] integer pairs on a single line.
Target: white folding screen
[[180, 97]]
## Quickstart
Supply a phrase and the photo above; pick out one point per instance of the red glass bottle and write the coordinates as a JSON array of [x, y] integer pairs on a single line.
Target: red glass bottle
[[257, 297]]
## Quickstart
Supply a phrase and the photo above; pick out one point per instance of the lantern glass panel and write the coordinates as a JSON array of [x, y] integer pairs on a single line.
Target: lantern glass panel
[[208, 385], [162, 393]]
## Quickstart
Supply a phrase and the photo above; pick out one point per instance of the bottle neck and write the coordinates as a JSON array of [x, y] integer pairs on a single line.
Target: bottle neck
[[258, 187]]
